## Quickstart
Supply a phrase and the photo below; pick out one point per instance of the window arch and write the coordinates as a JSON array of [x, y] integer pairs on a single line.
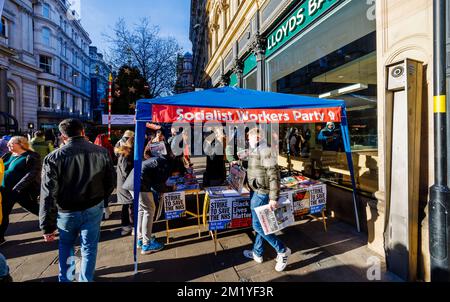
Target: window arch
[[46, 36]]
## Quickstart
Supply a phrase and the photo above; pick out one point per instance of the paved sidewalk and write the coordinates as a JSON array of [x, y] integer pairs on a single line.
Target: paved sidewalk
[[338, 255]]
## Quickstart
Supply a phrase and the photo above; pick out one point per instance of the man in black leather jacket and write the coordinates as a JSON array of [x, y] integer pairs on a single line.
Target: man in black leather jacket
[[75, 180]]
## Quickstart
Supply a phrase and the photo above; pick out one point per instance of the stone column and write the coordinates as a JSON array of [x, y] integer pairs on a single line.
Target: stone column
[[4, 104], [238, 69], [404, 30], [259, 50]]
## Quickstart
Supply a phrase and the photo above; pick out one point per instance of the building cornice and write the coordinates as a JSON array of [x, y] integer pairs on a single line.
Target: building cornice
[[7, 51], [25, 65]]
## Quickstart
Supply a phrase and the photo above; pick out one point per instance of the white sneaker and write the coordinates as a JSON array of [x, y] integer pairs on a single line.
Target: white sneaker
[[282, 260], [249, 254], [126, 230], [106, 213]]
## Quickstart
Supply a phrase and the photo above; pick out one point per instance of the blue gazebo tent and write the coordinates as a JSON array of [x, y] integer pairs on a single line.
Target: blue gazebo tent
[[230, 98]]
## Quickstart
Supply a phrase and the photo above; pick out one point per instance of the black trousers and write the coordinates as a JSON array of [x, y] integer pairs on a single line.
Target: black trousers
[[9, 199], [127, 215]]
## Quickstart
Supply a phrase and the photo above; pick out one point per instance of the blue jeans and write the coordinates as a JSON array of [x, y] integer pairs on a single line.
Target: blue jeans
[[258, 248], [85, 224]]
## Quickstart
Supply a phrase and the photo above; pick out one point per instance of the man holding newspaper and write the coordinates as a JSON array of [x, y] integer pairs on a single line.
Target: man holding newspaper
[[264, 180]]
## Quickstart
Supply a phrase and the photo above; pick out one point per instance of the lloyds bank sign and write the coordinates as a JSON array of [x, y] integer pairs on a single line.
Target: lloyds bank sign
[[308, 12]]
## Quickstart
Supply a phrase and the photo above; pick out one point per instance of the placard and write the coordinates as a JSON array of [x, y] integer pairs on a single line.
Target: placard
[[220, 211], [241, 214], [301, 202], [174, 205], [318, 198]]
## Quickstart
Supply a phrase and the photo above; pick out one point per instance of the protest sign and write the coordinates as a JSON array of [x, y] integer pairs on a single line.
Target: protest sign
[[301, 202], [220, 211], [174, 205], [318, 198], [241, 214]]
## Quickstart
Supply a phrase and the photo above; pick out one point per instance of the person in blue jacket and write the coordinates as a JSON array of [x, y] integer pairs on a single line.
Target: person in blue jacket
[[330, 137]]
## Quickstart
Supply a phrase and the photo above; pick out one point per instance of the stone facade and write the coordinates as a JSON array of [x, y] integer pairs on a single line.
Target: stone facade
[[198, 34], [62, 52], [99, 73], [18, 69], [44, 56], [185, 80]]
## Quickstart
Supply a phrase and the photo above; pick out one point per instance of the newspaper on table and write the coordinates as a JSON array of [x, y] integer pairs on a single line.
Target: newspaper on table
[[174, 205], [275, 221], [237, 177]]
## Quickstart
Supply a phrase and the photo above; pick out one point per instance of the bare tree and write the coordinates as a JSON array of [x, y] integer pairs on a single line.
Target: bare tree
[[143, 47]]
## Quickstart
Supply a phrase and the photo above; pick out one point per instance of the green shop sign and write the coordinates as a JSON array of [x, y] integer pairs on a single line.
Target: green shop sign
[[249, 64], [299, 20], [233, 80]]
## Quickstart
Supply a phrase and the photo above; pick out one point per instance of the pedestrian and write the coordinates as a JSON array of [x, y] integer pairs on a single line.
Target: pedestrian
[[264, 180], [329, 137], [40, 145], [5, 277], [3, 146], [125, 163], [21, 180], [154, 172], [103, 141], [159, 137], [51, 137], [176, 152], [216, 173], [76, 179], [187, 151], [126, 136], [293, 142]]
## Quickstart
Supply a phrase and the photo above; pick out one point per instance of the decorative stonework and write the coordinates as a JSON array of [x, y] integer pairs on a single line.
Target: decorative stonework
[[258, 45], [238, 67]]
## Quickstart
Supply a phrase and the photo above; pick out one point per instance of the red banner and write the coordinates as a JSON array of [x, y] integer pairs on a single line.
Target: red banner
[[171, 114]]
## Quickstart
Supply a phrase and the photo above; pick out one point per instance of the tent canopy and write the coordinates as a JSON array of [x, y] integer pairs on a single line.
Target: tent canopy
[[232, 97]]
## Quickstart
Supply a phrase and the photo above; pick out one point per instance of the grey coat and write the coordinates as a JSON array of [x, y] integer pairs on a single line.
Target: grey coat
[[124, 168]]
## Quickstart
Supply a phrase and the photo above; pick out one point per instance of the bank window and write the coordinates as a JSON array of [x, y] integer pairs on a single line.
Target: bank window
[[338, 62], [46, 10], [250, 81], [45, 63], [46, 36]]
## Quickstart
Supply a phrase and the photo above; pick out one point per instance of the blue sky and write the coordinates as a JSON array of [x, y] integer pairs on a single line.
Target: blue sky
[[172, 16]]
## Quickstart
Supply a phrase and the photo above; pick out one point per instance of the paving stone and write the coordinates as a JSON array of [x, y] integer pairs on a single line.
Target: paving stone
[[337, 255]]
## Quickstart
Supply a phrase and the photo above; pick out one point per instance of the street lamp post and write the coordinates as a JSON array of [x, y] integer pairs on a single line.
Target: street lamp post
[[109, 105], [439, 192]]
